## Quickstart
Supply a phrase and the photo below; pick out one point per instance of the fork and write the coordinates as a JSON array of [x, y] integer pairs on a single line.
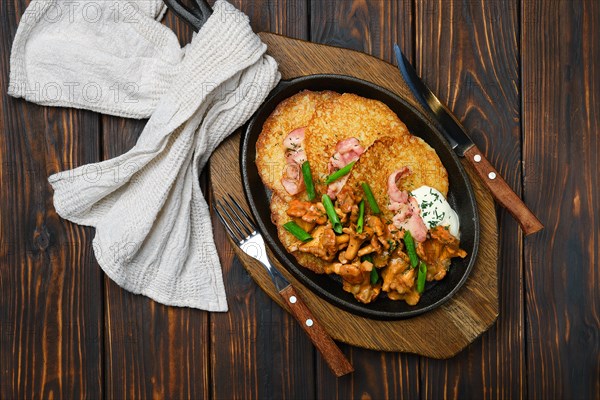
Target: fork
[[243, 232]]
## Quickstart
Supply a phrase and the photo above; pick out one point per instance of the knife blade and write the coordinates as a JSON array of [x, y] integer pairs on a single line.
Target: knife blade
[[462, 144]]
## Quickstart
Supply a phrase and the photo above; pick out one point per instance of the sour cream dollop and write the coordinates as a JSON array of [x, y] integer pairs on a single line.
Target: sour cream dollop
[[435, 210]]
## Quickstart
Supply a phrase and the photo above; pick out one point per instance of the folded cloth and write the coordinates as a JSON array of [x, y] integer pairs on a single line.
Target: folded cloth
[[112, 57], [153, 227]]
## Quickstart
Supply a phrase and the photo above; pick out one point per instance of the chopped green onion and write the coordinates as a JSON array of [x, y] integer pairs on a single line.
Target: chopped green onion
[[361, 217], [410, 249], [293, 228], [374, 276], [370, 198], [333, 217], [421, 277], [339, 173], [374, 273], [308, 181]]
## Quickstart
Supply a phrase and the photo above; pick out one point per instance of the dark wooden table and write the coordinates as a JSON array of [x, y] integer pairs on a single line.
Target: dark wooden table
[[523, 76]]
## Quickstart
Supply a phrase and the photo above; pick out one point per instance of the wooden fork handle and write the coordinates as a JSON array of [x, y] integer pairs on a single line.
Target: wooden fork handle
[[502, 192], [332, 354]]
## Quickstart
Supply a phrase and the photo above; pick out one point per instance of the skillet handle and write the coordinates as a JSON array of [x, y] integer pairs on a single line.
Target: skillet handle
[[196, 17]]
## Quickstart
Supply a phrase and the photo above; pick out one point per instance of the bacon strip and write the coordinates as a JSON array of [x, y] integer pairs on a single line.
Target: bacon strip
[[406, 207], [295, 156], [395, 194], [346, 151]]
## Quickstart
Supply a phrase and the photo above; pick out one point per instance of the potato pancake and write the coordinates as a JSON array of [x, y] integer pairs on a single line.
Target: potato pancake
[[345, 117], [390, 154], [293, 112]]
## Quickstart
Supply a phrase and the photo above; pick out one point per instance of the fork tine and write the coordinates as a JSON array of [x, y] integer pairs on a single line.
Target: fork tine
[[238, 220], [249, 219], [233, 235], [233, 219]]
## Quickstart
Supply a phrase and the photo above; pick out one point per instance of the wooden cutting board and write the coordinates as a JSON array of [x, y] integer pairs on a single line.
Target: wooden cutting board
[[440, 333]]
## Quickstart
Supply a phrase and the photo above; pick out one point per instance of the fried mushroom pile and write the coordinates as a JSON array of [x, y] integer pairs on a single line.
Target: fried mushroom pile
[[375, 259]]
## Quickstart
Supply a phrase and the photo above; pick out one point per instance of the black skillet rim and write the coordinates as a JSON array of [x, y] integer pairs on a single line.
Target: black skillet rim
[[286, 89]]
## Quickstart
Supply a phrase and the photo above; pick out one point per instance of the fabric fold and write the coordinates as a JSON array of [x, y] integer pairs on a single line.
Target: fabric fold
[[153, 226], [109, 57]]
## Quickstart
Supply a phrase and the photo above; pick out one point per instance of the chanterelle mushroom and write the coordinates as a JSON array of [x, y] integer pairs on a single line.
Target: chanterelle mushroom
[[356, 240], [323, 244]]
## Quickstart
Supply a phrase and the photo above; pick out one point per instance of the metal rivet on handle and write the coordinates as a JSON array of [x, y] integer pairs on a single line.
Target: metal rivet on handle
[[492, 175], [309, 322], [293, 299], [477, 158]]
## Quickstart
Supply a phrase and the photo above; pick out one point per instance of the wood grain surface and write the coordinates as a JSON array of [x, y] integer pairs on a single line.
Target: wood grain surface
[[468, 54], [51, 334], [522, 75], [561, 147]]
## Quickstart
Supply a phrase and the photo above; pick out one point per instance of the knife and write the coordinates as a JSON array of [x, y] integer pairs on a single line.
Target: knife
[[462, 144]]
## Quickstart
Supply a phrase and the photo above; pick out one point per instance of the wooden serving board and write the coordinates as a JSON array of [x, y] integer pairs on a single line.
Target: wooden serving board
[[440, 333]]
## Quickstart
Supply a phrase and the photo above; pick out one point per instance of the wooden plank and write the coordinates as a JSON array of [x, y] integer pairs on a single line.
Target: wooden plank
[[286, 17], [257, 349], [152, 351], [468, 53], [561, 91], [50, 285], [368, 26], [371, 27]]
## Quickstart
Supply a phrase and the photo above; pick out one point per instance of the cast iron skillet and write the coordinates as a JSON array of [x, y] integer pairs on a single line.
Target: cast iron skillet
[[460, 197]]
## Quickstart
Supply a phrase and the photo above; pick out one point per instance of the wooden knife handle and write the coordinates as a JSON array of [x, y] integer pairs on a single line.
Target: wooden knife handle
[[332, 354], [502, 192]]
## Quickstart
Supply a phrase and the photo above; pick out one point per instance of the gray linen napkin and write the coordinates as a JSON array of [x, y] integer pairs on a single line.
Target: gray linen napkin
[[153, 228]]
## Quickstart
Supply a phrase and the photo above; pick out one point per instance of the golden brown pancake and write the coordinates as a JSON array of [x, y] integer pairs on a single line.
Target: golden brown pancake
[[293, 112], [279, 217], [347, 116], [330, 118], [390, 154]]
